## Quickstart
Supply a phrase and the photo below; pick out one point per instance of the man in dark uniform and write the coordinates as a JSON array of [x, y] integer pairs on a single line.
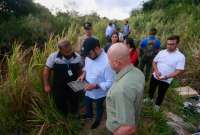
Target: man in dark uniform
[[66, 67]]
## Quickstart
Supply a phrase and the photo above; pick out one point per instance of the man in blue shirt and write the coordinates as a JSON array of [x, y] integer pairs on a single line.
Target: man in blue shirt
[[149, 47], [99, 75]]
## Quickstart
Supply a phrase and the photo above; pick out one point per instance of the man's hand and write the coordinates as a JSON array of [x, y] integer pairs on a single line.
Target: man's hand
[[155, 69], [163, 77], [89, 87], [46, 76], [158, 74], [81, 77], [47, 88], [125, 130]]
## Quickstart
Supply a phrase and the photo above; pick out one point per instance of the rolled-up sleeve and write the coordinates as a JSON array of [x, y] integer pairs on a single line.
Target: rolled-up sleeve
[[108, 75]]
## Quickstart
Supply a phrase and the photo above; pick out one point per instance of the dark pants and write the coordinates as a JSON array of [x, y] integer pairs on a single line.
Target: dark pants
[[99, 107], [148, 66], [66, 102], [108, 39], [125, 37], [162, 88]]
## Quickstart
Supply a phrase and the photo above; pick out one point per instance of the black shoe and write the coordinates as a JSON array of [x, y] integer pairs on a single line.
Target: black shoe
[[85, 117], [95, 124]]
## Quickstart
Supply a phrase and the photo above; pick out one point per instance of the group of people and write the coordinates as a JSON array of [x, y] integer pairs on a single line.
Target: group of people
[[113, 73], [122, 33]]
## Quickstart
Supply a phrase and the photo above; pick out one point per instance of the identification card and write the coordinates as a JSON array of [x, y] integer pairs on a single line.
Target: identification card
[[70, 73]]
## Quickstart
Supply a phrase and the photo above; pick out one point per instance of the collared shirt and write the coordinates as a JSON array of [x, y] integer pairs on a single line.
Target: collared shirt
[[123, 101], [145, 42], [57, 58], [99, 72], [169, 62]]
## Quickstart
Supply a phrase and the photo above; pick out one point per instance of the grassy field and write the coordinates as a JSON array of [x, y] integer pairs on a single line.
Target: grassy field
[[26, 109]]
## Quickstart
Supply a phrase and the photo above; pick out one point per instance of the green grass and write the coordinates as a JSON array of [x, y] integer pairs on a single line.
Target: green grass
[[25, 107]]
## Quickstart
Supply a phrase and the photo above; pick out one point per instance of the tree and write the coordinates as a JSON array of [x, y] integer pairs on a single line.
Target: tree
[[16, 8]]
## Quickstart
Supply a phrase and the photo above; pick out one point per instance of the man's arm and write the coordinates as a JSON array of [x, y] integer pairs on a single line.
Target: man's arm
[[125, 130], [179, 69], [82, 76], [155, 69], [108, 75], [172, 75], [46, 76], [125, 113]]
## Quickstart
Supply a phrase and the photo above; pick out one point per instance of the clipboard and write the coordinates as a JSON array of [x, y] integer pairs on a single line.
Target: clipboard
[[77, 85]]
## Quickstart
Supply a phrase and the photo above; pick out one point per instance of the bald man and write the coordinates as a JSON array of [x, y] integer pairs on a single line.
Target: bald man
[[123, 101]]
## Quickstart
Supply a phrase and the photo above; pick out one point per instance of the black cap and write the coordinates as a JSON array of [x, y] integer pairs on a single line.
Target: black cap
[[87, 25], [88, 45]]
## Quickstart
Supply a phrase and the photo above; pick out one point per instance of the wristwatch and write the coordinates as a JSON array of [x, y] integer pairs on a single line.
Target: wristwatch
[[166, 77]]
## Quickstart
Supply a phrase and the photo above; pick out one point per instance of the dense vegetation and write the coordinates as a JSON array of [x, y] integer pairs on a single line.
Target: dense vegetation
[[176, 17], [26, 109], [30, 23]]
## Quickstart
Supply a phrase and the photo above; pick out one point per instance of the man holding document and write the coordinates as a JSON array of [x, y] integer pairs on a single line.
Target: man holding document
[[99, 75], [62, 66]]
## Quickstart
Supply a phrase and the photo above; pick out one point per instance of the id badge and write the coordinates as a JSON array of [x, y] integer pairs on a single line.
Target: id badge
[[70, 73]]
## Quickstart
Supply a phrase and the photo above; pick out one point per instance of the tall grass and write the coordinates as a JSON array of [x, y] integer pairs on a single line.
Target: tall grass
[[173, 20], [24, 105]]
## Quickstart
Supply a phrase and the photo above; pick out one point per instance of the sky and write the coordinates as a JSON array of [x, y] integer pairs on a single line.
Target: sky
[[112, 9]]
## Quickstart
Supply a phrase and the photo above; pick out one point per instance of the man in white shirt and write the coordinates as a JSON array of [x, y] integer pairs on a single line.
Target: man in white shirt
[[99, 75], [109, 31], [167, 64]]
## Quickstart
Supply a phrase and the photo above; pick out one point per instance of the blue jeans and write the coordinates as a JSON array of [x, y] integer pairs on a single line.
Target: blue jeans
[[99, 107]]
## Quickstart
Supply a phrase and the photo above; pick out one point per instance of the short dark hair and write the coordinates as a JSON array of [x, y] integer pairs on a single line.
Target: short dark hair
[[131, 42], [174, 37], [153, 31]]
